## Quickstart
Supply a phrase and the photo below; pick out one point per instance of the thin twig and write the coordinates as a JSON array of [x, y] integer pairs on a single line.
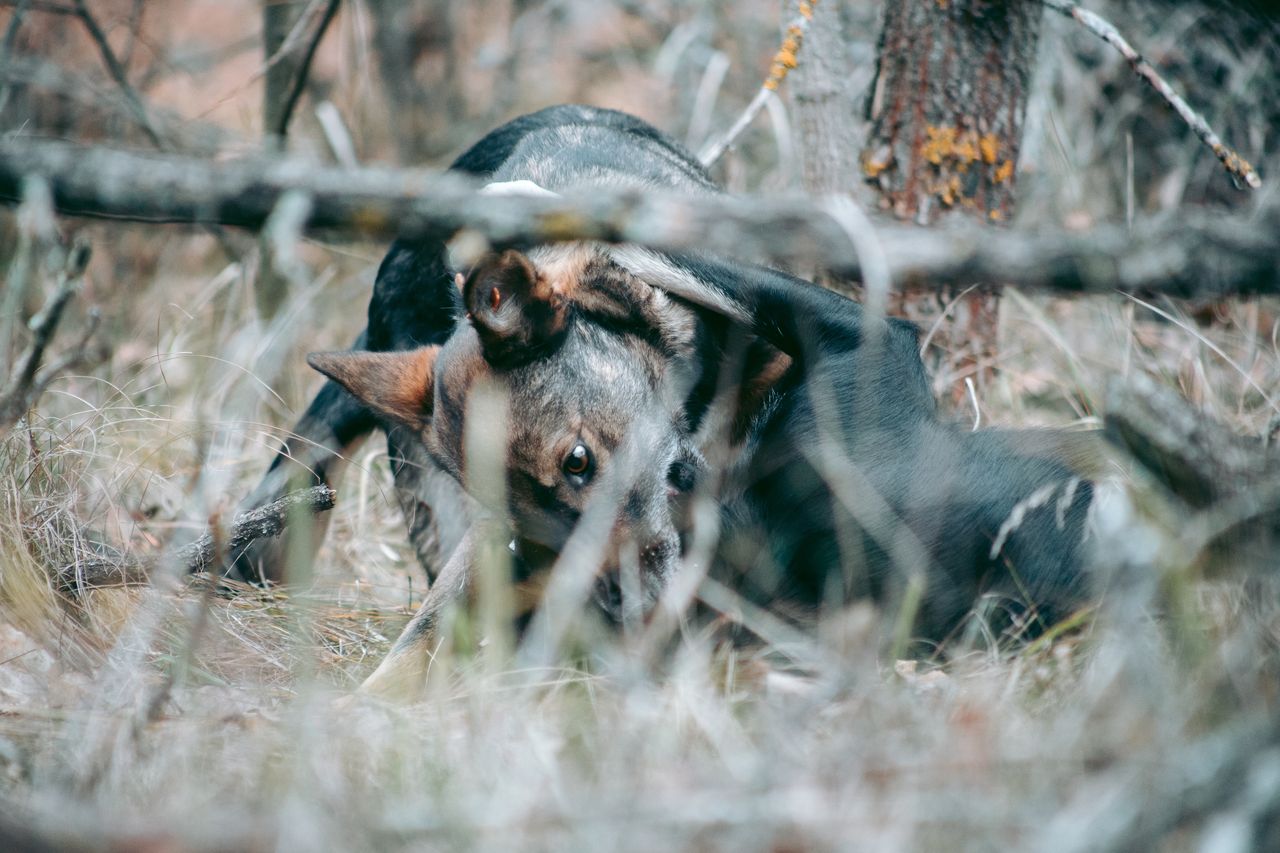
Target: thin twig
[[134, 25], [6, 52], [304, 69], [92, 96], [286, 49], [28, 381], [206, 553], [783, 61], [1234, 163], [79, 356], [119, 74], [42, 6]]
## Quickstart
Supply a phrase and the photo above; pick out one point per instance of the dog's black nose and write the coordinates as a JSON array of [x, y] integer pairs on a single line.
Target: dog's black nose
[[682, 476]]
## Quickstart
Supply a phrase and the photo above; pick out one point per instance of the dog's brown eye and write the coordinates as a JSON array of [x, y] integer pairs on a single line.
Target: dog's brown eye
[[578, 462]]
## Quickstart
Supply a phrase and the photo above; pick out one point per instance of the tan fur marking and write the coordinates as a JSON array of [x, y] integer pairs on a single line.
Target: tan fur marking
[[756, 387], [398, 385], [563, 267]]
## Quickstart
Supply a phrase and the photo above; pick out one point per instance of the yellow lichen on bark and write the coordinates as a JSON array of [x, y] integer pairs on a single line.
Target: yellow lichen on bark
[[951, 191], [939, 145], [874, 165], [961, 149], [966, 150], [990, 147]]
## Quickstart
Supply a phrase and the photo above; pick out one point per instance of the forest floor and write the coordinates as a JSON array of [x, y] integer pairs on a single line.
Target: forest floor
[[120, 718], [164, 718]]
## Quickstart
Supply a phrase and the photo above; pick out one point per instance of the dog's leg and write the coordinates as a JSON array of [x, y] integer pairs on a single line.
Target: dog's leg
[[328, 432], [402, 675], [434, 506], [403, 672]]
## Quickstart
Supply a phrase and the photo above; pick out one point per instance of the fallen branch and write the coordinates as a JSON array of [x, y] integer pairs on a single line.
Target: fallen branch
[[1226, 485], [1230, 772], [1198, 459], [1103, 29], [1203, 255], [206, 553]]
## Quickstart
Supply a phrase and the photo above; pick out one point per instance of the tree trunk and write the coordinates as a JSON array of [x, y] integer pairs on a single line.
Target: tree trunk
[[413, 42], [823, 105], [947, 106], [946, 112]]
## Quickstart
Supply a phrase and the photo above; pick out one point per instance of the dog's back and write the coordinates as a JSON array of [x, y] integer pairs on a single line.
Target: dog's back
[[788, 513], [576, 149]]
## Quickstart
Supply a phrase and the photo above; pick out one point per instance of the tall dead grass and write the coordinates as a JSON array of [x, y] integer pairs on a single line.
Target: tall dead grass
[[163, 717]]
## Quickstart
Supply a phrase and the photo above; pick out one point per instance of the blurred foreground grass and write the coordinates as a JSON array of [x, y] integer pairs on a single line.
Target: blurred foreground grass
[[116, 728]]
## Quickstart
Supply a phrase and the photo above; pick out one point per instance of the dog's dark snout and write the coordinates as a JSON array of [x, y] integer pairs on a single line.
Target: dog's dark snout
[[682, 476], [656, 554], [632, 584], [609, 594]]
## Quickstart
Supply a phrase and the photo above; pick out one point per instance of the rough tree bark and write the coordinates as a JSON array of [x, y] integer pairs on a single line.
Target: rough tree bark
[[946, 113], [947, 106], [208, 552], [823, 105]]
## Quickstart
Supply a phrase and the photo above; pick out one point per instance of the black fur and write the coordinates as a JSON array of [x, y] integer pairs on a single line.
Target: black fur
[[845, 482]]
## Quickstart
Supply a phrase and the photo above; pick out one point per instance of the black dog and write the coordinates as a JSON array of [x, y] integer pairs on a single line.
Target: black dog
[[640, 381]]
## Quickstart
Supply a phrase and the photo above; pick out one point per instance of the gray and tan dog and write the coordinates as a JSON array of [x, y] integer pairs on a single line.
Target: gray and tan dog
[[637, 379]]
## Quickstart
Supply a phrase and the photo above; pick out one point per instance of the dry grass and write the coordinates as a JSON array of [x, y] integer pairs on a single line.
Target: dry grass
[[128, 715]]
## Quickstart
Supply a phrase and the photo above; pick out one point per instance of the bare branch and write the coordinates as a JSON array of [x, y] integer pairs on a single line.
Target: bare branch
[[28, 381], [281, 127], [119, 74], [783, 61], [42, 6], [1227, 485], [6, 50], [1103, 29], [1203, 255], [206, 553]]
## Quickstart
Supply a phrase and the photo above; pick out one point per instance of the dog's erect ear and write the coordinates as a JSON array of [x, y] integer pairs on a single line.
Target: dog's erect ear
[[398, 386], [517, 313]]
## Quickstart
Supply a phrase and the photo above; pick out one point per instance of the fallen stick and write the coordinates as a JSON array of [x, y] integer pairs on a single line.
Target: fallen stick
[[204, 554], [1198, 255]]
